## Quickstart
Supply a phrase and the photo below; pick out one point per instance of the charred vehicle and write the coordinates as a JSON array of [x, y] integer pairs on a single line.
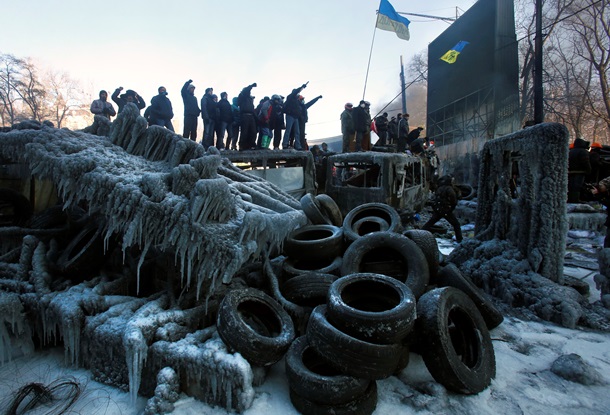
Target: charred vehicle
[[291, 171], [399, 180]]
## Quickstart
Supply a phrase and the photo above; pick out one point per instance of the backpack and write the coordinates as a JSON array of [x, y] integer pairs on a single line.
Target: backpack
[[264, 114]]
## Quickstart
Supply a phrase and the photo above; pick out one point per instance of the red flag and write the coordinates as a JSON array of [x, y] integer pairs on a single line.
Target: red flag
[[373, 126]]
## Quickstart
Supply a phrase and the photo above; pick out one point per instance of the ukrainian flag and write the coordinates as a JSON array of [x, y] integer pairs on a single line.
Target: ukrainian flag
[[453, 53], [389, 20]]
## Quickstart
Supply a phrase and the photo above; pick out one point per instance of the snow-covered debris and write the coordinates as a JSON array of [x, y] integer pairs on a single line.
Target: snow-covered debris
[[572, 367], [159, 189], [167, 393], [535, 222]]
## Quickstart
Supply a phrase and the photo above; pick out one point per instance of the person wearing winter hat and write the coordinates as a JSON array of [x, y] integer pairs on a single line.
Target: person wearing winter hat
[[347, 128], [102, 106], [129, 97], [191, 110]]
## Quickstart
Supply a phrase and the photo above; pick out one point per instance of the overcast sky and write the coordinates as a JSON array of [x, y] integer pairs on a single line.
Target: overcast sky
[[280, 44]]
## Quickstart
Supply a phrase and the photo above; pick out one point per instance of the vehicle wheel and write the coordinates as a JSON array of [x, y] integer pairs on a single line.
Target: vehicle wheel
[[313, 210], [390, 254], [15, 208], [451, 276], [255, 325], [314, 242], [330, 209], [308, 290], [85, 252], [365, 404], [371, 307], [348, 354], [294, 267], [311, 378], [380, 210], [427, 243], [458, 351]]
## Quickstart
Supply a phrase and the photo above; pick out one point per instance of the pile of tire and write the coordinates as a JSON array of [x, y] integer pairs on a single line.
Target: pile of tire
[[368, 295]]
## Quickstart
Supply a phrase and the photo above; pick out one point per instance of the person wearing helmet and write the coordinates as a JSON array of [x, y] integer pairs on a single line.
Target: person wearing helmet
[[347, 128]]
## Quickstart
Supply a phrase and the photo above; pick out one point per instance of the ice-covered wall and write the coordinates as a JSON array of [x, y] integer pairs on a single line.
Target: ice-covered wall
[[535, 222], [158, 189]]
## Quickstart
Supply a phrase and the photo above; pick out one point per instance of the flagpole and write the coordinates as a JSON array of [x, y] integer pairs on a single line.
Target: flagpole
[[370, 54]]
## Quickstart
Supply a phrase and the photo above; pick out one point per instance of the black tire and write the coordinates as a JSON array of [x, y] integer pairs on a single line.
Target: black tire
[[255, 325], [451, 276], [313, 210], [310, 377], [458, 351], [370, 224], [330, 209], [365, 404], [15, 208], [313, 242], [308, 290], [293, 267], [348, 354], [390, 254], [86, 252], [380, 210], [371, 307], [427, 243]]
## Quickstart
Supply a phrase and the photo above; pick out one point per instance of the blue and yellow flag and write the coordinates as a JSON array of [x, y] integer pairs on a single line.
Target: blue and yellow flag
[[453, 53], [389, 20]]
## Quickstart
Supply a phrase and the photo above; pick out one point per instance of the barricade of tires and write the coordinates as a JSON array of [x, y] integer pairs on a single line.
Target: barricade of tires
[[365, 302]]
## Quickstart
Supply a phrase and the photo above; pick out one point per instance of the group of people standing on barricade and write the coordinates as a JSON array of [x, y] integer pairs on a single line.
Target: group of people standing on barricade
[[356, 126], [239, 122]]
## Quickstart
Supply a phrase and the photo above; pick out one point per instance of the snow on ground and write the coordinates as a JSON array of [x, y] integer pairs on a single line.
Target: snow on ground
[[524, 383]]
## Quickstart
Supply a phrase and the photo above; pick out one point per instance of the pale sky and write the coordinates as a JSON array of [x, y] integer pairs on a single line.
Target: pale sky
[[229, 44]]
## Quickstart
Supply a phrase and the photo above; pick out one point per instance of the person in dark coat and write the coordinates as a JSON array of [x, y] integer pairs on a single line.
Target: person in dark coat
[[381, 123], [361, 123], [225, 119], [292, 109], [414, 135], [235, 125], [392, 130], [305, 117], [130, 96], [247, 139], [191, 110], [208, 123], [277, 123], [579, 167], [443, 203], [161, 112], [403, 132]]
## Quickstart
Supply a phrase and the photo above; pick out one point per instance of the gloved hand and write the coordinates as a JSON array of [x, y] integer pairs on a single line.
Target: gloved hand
[[253, 85]]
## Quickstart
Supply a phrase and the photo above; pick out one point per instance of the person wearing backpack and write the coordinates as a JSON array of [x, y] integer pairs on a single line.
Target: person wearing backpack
[[265, 111]]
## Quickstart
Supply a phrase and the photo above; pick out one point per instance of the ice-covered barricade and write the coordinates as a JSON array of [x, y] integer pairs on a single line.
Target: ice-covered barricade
[[518, 250], [177, 214]]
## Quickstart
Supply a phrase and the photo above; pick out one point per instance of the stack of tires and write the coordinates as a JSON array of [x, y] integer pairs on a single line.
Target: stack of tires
[[367, 296]]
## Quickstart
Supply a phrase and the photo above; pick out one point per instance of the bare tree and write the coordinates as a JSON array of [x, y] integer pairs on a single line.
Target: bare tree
[[10, 74], [64, 97], [589, 28]]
